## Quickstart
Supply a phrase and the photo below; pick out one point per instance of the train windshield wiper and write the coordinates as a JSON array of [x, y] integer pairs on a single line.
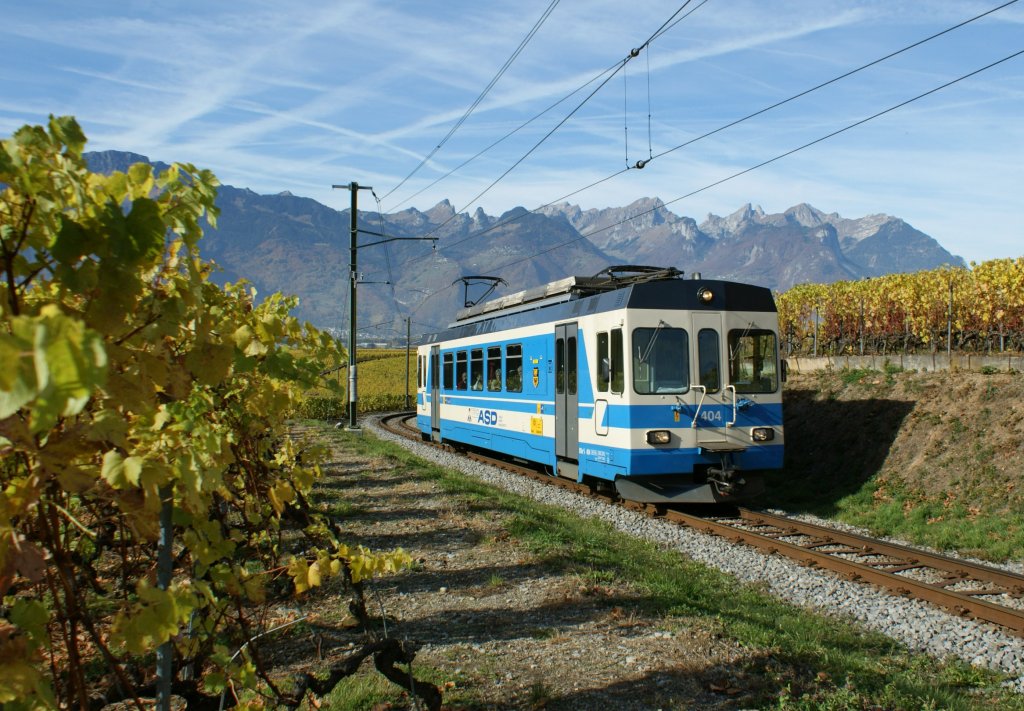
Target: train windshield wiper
[[650, 343]]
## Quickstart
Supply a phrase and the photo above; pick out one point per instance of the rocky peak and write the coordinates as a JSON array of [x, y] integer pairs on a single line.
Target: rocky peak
[[806, 215], [717, 227], [441, 211], [481, 218]]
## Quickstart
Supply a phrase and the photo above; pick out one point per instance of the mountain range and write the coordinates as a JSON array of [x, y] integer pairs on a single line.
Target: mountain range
[[299, 246]]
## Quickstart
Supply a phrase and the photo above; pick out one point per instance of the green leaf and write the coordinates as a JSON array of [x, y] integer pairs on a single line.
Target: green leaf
[[140, 173], [210, 363], [136, 238], [32, 617], [160, 615], [67, 363], [121, 472], [17, 376], [70, 363], [74, 241], [68, 132], [146, 225], [242, 336]]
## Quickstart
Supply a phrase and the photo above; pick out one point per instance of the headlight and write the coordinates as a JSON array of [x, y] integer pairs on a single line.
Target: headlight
[[658, 437], [762, 434], [705, 295]]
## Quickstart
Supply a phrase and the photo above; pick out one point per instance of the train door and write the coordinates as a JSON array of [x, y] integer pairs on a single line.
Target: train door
[[567, 439], [435, 393], [709, 390]]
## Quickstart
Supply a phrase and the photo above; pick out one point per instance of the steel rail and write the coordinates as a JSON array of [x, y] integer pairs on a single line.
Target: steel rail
[[823, 547], [827, 545], [957, 568]]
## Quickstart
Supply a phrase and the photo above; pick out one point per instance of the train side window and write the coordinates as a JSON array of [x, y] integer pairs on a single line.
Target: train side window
[[494, 368], [461, 371], [449, 380], [661, 360], [419, 372], [570, 365], [560, 366], [603, 364], [514, 368], [476, 369], [708, 360], [752, 358], [618, 379]]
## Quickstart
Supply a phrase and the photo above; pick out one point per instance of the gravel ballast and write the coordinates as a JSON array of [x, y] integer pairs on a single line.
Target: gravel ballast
[[920, 626]]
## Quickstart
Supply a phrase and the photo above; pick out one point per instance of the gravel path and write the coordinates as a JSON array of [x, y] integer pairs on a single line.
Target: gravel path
[[918, 625]]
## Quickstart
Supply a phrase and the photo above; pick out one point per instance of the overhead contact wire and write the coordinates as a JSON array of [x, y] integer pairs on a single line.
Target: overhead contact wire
[[833, 80], [737, 121], [621, 64], [787, 153], [506, 136], [483, 94], [664, 28], [752, 168]]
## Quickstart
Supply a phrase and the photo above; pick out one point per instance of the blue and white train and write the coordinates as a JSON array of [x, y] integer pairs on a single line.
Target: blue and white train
[[666, 389]]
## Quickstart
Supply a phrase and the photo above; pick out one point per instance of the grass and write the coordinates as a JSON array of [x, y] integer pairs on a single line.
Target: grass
[[942, 525], [539, 695], [854, 376], [798, 660], [927, 458], [946, 525], [373, 692]]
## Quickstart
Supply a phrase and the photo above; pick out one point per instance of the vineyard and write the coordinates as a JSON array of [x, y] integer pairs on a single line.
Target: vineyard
[[155, 512], [980, 310], [381, 386]]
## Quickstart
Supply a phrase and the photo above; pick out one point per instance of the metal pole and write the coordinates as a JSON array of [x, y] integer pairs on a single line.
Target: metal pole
[[816, 331], [353, 276], [862, 326], [408, 340], [164, 569], [949, 326]]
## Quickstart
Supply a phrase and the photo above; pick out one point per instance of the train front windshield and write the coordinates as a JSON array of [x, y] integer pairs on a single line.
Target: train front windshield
[[752, 361], [661, 361]]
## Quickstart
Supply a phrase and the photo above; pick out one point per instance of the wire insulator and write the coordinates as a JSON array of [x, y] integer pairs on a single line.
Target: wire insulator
[[640, 164], [635, 52]]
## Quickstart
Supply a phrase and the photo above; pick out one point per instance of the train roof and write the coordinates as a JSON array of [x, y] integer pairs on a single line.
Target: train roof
[[616, 287], [573, 287]]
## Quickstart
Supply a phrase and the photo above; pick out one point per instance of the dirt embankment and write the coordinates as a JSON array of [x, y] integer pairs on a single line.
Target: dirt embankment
[[938, 437]]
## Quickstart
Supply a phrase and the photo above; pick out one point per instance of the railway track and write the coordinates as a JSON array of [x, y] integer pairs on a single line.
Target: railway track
[[962, 587]]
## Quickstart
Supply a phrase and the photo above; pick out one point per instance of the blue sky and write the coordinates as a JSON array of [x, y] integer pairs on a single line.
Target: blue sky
[[301, 95]]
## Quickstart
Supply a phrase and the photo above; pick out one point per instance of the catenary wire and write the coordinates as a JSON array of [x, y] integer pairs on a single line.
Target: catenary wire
[[665, 28], [506, 136], [387, 254], [483, 94], [546, 136], [732, 123], [752, 168], [834, 80]]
